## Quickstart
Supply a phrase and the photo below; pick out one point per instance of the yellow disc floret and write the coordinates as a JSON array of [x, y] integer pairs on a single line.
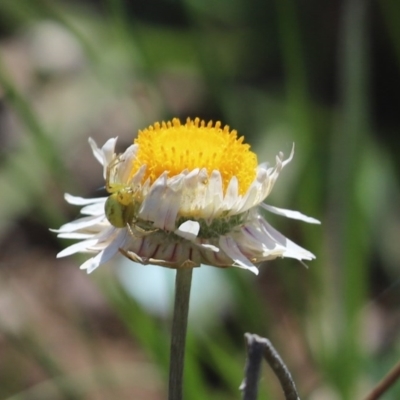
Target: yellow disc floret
[[174, 147]]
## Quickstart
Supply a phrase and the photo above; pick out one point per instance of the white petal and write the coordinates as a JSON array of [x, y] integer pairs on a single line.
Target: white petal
[[214, 193], [195, 195], [137, 178], [249, 199], [171, 201], [287, 161], [259, 241], [229, 246], [232, 193], [262, 185], [106, 254], [76, 248], [108, 150], [94, 209], [92, 263], [292, 250], [125, 166], [80, 201], [152, 208], [208, 246], [191, 178], [107, 233], [290, 214], [96, 151], [297, 252], [163, 202], [81, 223], [108, 154], [188, 230], [74, 235]]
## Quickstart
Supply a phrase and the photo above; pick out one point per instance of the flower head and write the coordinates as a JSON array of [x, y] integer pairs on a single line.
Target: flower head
[[182, 195]]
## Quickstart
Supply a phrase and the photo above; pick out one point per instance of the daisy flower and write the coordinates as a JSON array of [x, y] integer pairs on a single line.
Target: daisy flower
[[182, 195]]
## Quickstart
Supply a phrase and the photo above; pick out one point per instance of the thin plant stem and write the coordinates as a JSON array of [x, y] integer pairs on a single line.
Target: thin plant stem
[[392, 376], [178, 334], [259, 347]]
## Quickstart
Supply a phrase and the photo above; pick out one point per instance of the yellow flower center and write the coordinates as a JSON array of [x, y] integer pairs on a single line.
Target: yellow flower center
[[174, 147]]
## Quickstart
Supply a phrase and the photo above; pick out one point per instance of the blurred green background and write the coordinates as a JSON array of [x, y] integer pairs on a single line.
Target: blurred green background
[[322, 74]]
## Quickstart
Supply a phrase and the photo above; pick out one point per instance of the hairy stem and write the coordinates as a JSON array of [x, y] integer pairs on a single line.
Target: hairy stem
[[178, 335]]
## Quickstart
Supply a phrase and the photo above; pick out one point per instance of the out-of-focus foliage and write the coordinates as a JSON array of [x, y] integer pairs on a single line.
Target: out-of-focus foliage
[[321, 74]]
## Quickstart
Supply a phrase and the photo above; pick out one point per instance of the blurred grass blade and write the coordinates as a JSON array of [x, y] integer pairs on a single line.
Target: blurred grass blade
[[30, 346], [348, 251], [58, 12], [299, 103], [391, 13], [84, 382], [44, 145]]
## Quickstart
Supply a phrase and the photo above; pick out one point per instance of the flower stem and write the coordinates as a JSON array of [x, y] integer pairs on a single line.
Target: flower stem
[[178, 335]]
